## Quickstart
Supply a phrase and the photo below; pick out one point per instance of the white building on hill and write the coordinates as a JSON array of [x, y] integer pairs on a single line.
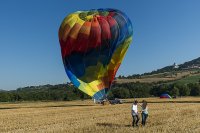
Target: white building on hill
[[175, 65]]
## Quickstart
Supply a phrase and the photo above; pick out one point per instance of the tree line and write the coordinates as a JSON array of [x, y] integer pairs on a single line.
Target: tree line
[[61, 92], [136, 90], [67, 92]]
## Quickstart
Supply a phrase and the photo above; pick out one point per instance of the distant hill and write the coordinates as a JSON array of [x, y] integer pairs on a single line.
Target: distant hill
[[167, 74], [193, 64]]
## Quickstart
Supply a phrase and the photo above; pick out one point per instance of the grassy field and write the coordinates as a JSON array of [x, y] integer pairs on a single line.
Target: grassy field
[[172, 115], [190, 79]]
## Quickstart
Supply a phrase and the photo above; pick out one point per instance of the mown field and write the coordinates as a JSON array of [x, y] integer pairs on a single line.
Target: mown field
[[172, 115]]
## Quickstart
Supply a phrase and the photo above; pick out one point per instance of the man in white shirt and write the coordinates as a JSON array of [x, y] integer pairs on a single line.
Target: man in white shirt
[[134, 112]]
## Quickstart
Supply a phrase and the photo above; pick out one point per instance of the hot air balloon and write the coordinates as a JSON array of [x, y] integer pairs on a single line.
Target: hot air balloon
[[93, 44], [165, 95]]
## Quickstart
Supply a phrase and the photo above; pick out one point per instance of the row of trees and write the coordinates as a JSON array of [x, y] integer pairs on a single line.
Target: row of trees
[[64, 92], [60, 92], [177, 89], [130, 90], [134, 90]]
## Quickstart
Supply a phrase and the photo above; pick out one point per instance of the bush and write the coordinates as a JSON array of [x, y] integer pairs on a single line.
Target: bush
[[120, 93], [184, 90], [195, 90], [174, 91]]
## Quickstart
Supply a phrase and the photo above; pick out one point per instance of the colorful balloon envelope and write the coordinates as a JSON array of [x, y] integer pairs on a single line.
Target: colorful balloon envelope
[[93, 45]]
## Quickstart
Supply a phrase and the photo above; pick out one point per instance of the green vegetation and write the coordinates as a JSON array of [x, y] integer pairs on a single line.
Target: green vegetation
[[64, 92], [187, 80]]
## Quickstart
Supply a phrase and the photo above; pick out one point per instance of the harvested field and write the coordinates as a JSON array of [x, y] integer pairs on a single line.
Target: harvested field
[[165, 115]]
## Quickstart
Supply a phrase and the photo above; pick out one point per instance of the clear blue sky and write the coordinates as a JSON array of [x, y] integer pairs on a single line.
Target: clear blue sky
[[165, 31]]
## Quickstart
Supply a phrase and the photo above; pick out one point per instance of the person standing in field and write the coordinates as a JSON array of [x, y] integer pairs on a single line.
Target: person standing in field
[[134, 113], [144, 113]]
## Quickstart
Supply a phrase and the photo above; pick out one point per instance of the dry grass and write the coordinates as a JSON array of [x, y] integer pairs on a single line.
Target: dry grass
[[180, 115]]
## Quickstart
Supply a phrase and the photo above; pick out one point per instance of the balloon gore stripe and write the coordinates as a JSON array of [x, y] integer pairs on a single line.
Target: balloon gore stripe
[[93, 45]]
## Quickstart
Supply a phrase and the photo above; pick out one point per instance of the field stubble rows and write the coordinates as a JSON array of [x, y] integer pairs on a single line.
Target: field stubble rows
[[179, 115]]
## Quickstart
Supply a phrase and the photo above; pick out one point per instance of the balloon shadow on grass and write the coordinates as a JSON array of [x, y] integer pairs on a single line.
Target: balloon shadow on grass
[[52, 106], [61, 106], [69, 105], [112, 125], [8, 108], [169, 102]]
